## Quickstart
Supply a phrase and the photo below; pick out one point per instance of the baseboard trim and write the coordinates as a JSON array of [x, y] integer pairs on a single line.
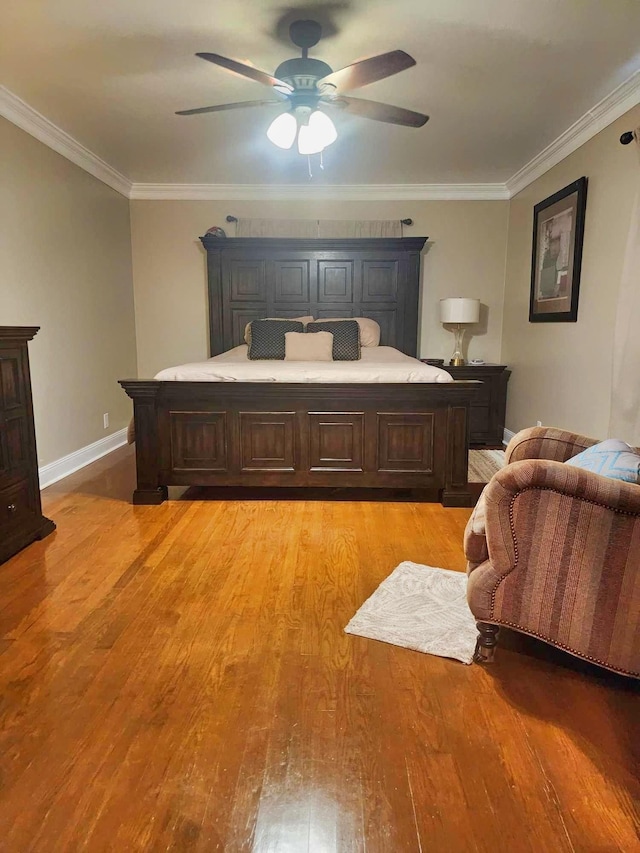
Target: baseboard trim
[[507, 435], [61, 468]]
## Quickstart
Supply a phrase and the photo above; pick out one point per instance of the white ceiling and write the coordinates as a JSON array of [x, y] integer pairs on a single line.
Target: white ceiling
[[500, 79]]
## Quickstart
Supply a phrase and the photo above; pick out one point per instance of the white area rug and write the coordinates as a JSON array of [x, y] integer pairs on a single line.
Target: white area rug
[[421, 608]]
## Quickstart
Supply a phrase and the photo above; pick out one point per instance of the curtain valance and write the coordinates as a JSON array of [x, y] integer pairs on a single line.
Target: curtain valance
[[327, 228]]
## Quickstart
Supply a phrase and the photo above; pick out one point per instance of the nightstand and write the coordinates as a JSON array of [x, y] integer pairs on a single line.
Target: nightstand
[[487, 411]]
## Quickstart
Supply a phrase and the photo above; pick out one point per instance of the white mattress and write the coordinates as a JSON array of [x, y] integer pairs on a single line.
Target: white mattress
[[377, 364]]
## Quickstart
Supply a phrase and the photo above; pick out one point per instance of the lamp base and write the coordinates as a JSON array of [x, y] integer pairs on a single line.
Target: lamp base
[[457, 359]]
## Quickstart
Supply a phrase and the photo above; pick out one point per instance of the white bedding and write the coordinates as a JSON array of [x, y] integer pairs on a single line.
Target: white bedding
[[377, 364]]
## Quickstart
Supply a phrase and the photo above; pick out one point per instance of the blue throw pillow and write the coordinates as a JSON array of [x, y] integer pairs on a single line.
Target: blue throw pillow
[[610, 458]]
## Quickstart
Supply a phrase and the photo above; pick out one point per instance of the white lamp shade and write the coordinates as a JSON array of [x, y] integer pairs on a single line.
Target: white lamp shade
[[458, 309], [316, 135], [282, 130]]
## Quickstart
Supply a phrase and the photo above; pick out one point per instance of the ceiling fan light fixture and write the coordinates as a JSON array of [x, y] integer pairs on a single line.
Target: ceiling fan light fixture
[[306, 83], [282, 130], [317, 134]]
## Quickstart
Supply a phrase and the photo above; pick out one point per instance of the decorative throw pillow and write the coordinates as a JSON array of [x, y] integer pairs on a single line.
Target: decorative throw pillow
[[247, 328], [302, 347], [346, 337], [267, 338], [369, 329], [611, 458]]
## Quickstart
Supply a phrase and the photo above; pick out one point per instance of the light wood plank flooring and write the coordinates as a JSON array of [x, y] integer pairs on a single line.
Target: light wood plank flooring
[[177, 678]]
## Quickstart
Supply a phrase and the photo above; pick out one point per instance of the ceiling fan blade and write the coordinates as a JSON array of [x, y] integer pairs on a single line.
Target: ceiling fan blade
[[369, 70], [380, 112], [246, 71], [221, 107]]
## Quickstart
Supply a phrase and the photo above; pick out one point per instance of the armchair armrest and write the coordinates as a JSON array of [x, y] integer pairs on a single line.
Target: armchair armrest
[[563, 558], [488, 531], [549, 475], [546, 443]]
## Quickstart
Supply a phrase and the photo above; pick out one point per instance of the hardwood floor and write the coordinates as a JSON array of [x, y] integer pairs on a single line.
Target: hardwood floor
[[177, 678]]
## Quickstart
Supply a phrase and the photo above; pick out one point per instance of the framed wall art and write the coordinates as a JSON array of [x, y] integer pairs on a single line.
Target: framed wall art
[[558, 234]]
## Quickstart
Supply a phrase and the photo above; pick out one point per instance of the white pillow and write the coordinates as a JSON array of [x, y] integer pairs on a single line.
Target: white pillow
[[247, 328], [369, 329], [299, 346]]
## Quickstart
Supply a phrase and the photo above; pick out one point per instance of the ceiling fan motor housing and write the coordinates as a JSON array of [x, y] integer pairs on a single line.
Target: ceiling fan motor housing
[[302, 74]]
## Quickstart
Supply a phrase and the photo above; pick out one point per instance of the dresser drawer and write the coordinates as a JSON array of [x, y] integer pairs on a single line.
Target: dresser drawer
[[17, 505]]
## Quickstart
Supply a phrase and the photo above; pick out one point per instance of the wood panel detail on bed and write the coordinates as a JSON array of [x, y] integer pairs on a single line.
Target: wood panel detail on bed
[[250, 278], [407, 436], [404, 435]]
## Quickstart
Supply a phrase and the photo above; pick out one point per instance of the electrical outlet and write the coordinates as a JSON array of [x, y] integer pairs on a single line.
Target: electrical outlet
[[105, 420], [538, 423]]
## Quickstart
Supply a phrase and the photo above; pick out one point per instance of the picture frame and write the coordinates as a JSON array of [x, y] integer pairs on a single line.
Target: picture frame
[[558, 236]]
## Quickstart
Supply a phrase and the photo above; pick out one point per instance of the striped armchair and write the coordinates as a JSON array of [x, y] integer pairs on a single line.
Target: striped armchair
[[554, 551]]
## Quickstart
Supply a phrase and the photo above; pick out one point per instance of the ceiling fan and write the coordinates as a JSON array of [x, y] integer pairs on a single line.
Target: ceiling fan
[[309, 86]]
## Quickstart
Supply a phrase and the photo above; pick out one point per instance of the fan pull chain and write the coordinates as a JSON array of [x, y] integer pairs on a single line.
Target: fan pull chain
[[309, 165]]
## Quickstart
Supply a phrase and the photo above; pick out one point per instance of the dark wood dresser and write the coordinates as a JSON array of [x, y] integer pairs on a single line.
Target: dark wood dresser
[[487, 411], [21, 519]]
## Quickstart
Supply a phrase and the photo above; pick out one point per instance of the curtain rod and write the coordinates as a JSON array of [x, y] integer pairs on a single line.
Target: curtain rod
[[231, 218], [627, 137]]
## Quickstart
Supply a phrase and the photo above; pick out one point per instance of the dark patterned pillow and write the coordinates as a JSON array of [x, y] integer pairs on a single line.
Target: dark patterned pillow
[[268, 338], [346, 337]]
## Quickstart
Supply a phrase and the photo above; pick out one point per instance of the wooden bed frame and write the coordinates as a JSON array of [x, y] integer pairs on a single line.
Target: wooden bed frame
[[392, 436]]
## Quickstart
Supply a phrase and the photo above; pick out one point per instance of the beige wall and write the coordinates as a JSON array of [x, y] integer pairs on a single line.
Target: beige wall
[[65, 250], [65, 256], [562, 371], [467, 245]]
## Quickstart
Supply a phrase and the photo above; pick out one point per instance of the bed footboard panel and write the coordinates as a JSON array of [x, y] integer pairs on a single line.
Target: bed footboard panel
[[250, 434]]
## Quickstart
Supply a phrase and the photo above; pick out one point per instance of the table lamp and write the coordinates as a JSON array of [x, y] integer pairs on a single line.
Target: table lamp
[[459, 311]]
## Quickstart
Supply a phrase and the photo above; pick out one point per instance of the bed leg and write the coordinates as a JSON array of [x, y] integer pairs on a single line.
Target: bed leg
[[148, 445], [157, 496], [456, 486]]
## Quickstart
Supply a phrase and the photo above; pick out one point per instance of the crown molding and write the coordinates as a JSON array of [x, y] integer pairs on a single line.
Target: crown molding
[[15, 110], [309, 192], [615, 104]]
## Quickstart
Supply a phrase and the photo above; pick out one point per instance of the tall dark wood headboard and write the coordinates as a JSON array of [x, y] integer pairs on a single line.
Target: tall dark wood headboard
[[250, 278]]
